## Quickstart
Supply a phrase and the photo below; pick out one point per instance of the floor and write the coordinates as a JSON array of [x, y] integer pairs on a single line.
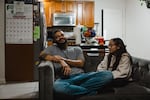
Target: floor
[[27, 90]]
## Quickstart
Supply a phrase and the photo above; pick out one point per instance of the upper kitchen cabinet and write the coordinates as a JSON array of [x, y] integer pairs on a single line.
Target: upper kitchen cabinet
[[85, 13], [58, 6], [47, 0], [48, 13], [79, 13], [71, 6], [64, 6], [88, 14]]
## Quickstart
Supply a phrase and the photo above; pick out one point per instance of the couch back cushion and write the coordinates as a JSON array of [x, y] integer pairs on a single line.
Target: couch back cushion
[[141, 71]]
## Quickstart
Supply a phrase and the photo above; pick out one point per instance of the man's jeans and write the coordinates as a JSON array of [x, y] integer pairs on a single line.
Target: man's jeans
[[84, 83]]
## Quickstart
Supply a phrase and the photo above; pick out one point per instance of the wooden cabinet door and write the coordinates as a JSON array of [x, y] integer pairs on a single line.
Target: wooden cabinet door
[[58, 6], [64, 6], [79, 13], [88, 14], [71, 6], [46, 0], [48, 13], [85, 13]]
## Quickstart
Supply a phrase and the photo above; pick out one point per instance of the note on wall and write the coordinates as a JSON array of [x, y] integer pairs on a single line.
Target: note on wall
[[19, 28], [36, 33], [19, 8]]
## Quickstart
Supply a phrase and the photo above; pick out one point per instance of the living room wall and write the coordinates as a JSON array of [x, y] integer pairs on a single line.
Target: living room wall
[[2, 53], [138, 29], [136, 22], [112, 9]]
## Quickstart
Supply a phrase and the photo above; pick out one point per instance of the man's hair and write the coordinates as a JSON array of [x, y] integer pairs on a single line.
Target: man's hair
[[54, 32]]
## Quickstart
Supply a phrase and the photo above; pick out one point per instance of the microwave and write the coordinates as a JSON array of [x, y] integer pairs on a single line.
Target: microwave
[[64, 19]]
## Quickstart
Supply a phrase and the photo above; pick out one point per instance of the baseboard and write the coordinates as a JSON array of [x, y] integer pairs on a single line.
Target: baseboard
[[2, 81]]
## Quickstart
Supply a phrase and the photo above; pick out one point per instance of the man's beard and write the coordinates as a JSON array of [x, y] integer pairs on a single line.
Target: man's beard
[[62, 46]]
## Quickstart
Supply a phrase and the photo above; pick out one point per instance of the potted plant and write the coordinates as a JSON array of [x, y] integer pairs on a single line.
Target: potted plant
[[147, 2]]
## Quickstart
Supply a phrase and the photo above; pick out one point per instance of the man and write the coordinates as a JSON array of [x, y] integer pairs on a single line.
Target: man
[[67, 60]]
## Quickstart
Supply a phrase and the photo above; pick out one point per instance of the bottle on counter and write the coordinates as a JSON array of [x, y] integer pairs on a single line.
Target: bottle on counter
[[49, 42], [77, 34]]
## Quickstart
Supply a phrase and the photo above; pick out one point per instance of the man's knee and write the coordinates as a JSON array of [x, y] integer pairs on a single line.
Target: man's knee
[[60, 86]]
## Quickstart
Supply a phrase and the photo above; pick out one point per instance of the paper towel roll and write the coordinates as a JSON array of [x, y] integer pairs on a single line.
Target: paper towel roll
[[77, 34]]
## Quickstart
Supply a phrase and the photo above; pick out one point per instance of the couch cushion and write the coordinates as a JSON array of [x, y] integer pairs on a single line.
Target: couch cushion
[[116, 97], [141, 71], [132, 89], [139, 89], [145, 75], [136, 72]]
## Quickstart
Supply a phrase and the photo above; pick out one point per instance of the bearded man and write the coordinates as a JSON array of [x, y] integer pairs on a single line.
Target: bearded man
[[68, 60]]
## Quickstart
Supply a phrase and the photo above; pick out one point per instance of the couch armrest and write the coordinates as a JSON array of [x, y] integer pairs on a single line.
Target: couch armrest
[[46, 80]]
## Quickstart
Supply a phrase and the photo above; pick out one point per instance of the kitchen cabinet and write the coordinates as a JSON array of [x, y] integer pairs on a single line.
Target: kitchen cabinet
[[59, 6], [64, 6], [47, 0], [79, 13], [84, 11], [71, 6], [88, 14], [48, 13]]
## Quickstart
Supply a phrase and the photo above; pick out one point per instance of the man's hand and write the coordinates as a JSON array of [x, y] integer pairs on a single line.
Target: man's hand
[[57, 58], [66, 67]]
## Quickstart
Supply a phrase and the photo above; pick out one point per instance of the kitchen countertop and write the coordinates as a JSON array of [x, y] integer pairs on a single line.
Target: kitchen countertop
[[90, 46], [94, 49]]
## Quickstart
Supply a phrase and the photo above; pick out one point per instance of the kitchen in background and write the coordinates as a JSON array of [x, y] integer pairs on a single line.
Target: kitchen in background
[[41, 24], [81, 32], [65, 9]]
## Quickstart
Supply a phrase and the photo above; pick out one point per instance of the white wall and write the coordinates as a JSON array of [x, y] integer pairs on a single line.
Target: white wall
[[138, 29], [2, 53], [111, 7], [136, 24]]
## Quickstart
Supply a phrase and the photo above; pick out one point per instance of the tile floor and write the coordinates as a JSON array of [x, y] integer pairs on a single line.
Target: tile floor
[[27, 90]]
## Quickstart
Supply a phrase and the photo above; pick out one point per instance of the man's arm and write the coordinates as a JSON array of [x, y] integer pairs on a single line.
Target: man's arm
[[76, 63], [79, 62], [49, 57], [58, 59], [79, 58]]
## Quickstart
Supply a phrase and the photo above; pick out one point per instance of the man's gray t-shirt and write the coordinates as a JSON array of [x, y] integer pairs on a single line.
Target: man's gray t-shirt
[[72, 52]]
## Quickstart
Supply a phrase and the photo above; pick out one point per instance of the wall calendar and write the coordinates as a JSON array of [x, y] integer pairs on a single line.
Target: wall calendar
[[19, 23]]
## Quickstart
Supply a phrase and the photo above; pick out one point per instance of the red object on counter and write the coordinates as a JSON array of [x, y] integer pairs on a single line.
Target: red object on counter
[[100, 40]]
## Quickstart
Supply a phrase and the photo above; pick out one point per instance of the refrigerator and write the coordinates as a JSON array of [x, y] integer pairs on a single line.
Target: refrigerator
[[39, 42]]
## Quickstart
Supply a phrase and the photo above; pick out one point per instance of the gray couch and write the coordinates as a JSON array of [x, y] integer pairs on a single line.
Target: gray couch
[[139, 89]]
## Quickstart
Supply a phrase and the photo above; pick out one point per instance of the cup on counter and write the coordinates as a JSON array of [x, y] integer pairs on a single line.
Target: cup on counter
[[100, 40]]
